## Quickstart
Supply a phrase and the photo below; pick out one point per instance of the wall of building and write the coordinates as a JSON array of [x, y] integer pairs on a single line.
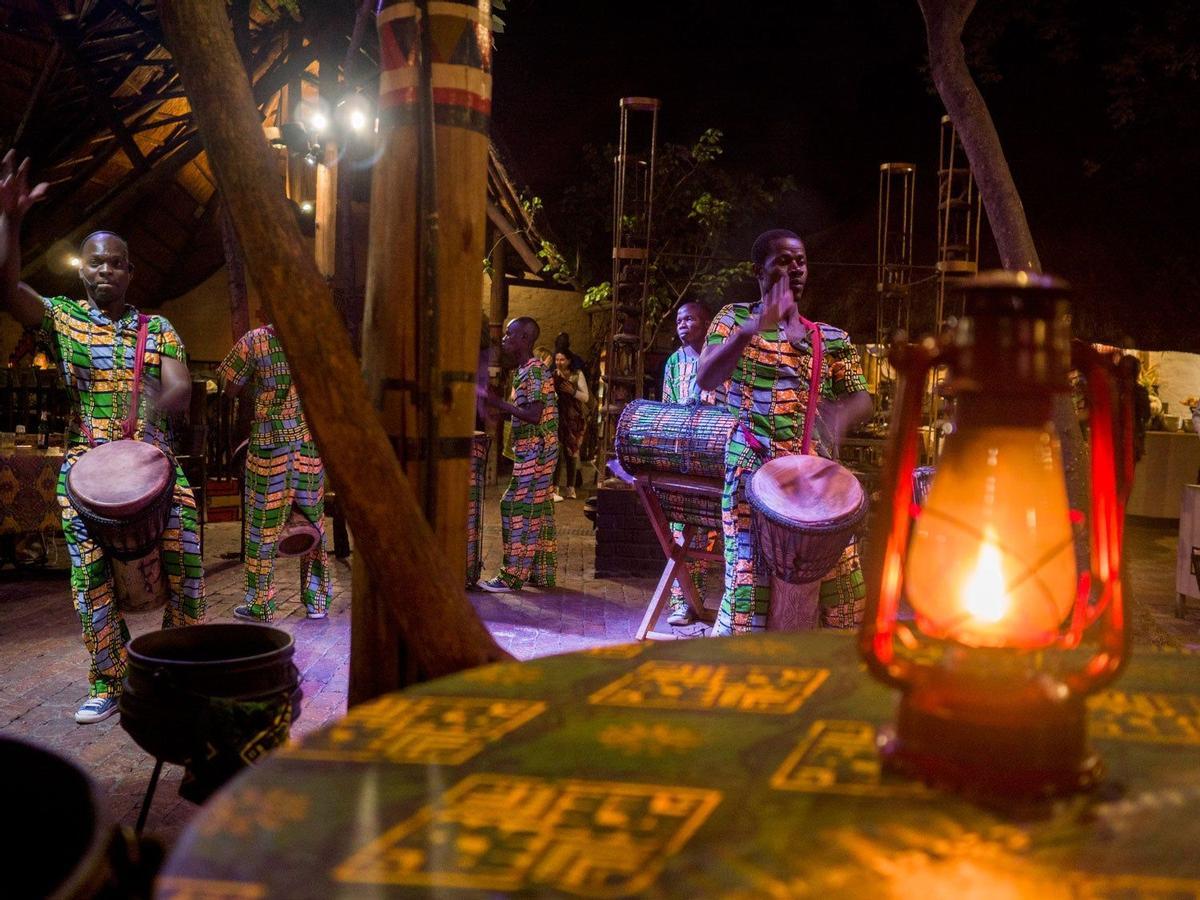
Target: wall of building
[[554, 311]]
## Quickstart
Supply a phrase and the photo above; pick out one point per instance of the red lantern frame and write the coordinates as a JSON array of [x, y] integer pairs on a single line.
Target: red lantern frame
[[986, 720]]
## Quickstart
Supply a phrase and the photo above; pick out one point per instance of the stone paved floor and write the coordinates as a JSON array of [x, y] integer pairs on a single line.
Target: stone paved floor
[[42, 661]]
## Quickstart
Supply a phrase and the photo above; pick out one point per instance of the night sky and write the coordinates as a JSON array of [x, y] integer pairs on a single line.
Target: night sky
[[825, 92]]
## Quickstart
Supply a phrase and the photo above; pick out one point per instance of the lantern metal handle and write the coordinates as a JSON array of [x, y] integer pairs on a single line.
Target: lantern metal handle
[[893, 517]]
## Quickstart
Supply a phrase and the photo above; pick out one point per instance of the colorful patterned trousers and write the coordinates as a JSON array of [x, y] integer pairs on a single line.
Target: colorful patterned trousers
[[697, 569], [105, 633], [747, 596], [276, 479], [527, 514], [479, 451]]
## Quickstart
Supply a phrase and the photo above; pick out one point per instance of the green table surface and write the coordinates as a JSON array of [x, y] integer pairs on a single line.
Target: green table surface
[[736, 768]]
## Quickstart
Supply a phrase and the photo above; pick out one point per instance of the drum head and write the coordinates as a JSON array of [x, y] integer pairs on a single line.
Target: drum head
[[119, 479], [808, 490]]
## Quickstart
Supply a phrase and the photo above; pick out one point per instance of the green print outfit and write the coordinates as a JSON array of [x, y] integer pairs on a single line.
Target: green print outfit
[[283, 470], [96, 356], [526, 509], [679, 386], [768, 391]]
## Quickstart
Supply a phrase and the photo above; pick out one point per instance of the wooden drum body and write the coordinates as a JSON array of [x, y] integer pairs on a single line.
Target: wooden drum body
[[123, 492], [805, 510]]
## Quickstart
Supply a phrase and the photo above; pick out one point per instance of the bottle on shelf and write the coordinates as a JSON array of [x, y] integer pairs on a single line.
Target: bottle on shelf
[[43, 435]]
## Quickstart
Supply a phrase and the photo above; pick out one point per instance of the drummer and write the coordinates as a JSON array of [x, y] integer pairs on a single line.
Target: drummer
[[283, 470], [760, 358], [679, 386], [94, 342], [526, 510]]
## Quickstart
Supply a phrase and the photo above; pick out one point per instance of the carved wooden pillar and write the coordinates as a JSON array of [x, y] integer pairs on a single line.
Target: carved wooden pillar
[[421, 326]]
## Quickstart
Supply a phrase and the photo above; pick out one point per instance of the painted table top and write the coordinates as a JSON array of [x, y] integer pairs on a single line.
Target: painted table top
[[735, 768]]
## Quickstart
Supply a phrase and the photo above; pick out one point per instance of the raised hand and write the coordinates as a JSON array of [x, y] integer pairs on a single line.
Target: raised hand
[[779, 305], [15, 196]]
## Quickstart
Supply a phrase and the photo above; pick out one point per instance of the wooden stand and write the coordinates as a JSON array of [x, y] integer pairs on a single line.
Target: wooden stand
[[678, 555]]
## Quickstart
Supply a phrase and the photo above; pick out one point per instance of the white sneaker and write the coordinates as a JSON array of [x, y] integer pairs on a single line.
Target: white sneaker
[[556, 497], [97, 709], [570, 494]]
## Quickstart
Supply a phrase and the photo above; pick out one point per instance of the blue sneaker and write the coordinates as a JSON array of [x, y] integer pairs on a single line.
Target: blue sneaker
[[245, 612], [97, 709]]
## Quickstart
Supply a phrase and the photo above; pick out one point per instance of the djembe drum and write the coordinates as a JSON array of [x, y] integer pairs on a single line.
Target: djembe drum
[[123, 491], [806, 510], [299, 535]]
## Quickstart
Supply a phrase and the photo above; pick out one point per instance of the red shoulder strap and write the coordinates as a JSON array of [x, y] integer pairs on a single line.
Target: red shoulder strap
[[814, 384]]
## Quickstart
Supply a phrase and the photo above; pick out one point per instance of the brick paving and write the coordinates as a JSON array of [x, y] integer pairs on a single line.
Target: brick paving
[[42, 661]]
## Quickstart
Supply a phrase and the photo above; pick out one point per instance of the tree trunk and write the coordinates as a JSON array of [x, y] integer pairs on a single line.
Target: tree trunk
[[235, 269], [944, 23], [425, 599]]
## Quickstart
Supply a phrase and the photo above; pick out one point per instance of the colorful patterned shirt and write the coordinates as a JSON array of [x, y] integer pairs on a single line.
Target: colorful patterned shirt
[[679, 377], [769, 385], [533, 382], [96, 356], [258, 358]]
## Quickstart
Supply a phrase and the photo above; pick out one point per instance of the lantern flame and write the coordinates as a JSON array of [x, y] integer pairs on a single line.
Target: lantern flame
[[984, 596]]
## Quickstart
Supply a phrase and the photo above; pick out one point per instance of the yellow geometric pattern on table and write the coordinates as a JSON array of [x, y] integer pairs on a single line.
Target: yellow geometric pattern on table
[[839, 756], [614, 651], [508, 832], [176, 888], [247, 810], [509, 674], [421, 730], [655, 739], [751, 688], [1154, 718]]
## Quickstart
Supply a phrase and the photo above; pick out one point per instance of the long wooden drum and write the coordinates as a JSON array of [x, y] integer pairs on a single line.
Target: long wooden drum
[[806, 510], [687, 439], [680, 451]]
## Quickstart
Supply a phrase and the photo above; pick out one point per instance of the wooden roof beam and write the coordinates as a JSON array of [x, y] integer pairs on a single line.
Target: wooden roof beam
[[67, 39]]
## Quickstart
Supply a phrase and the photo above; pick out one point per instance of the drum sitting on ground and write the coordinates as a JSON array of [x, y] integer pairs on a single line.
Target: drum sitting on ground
[[123, 490], [678, 440], [806, 510]]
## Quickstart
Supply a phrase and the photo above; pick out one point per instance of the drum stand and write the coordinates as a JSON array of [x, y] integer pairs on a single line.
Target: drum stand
[[708, 492]]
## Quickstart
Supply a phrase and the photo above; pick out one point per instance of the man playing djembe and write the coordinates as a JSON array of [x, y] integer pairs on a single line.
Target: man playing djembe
[[759, 358], [283, 472], [95, 344]]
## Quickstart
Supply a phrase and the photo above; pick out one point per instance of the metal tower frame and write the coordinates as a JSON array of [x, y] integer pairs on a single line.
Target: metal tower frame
[[622, 375], [959, 215], [894, 248]]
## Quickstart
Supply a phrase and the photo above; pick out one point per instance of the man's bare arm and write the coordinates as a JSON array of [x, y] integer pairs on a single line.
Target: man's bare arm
[[530, 412], [717, 361], [22, 302], [176, 386]]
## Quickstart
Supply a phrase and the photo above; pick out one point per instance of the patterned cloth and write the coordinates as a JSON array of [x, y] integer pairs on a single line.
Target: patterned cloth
[[96, 356], [526, 509], [283, 470], [278, 416], [679, 386], [279, 479], [768, 390], [479, 452]]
